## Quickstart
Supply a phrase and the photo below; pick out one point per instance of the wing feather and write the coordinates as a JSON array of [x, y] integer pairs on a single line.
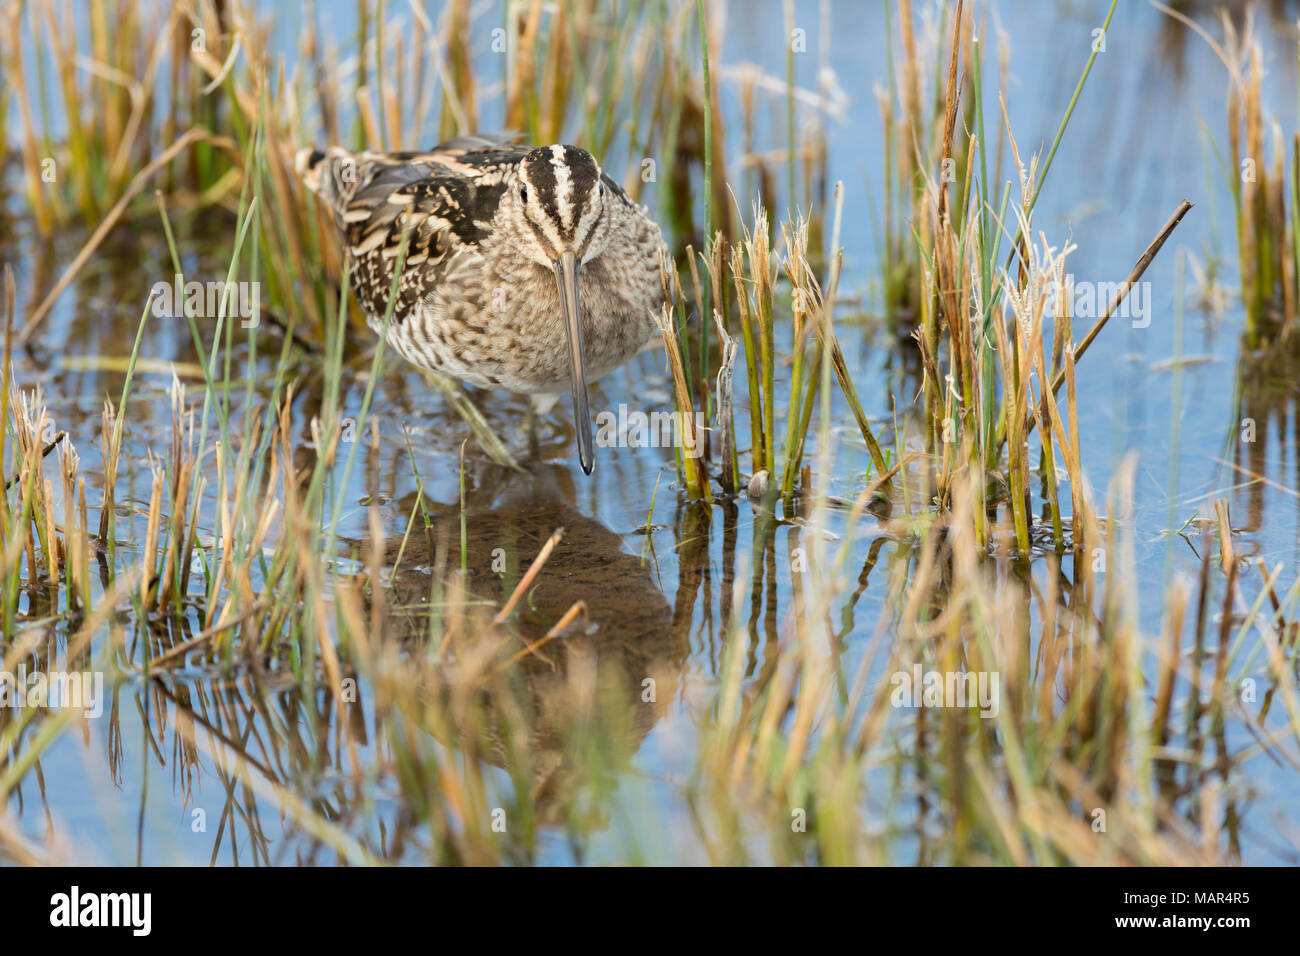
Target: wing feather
[[445, 198]]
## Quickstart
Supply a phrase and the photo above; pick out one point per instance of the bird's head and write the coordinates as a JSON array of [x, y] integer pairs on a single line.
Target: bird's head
[[558, 195]]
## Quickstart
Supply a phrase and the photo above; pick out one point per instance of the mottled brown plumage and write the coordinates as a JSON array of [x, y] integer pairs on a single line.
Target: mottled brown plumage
[[496, 231]]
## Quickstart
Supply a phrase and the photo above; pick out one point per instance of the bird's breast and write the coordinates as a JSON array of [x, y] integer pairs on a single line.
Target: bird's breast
[[503, 327]]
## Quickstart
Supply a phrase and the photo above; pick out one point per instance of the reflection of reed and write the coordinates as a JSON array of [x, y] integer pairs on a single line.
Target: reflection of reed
[[269, 744], [1266, 411]]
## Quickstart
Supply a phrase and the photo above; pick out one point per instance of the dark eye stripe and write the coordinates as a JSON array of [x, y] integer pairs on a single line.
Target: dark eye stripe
[[541, 176], [541, 236], [595, 226]]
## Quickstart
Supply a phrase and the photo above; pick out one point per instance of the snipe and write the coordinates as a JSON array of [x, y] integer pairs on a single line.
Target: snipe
[[527, 269]]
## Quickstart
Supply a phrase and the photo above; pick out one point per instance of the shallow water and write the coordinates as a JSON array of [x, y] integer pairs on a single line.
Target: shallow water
[[126, 789]]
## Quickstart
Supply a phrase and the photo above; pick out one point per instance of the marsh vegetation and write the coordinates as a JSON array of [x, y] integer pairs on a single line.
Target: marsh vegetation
[[976, 395]]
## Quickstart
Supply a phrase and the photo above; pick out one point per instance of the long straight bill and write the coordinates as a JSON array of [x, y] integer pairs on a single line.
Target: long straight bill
[[566, 278]]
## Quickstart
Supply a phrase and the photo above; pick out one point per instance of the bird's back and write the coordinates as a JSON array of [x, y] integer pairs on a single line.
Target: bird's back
[[446, 197]]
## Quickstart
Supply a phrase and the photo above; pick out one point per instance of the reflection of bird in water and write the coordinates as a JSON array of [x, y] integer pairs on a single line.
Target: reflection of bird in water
[[501, 238], [617, 676]]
